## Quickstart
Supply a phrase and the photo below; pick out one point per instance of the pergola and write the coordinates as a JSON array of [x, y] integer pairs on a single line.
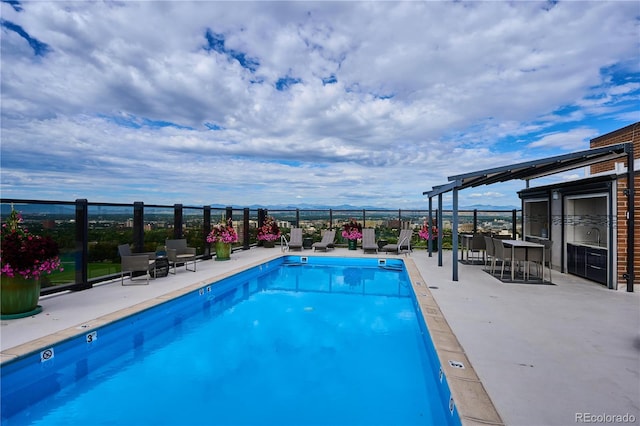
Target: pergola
[[531, 170]]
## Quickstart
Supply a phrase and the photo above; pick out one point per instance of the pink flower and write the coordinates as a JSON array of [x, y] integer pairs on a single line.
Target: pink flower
[[223, 232], [352, 230], [269, 231]]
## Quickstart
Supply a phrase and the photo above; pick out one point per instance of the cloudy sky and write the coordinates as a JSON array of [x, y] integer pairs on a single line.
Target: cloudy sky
[[303, 103]]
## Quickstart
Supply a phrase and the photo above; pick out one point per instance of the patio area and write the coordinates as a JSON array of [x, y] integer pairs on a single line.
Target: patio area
[[546, 354]]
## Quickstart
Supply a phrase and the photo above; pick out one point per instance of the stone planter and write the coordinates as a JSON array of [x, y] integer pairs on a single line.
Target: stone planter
[[19, 297], [223, 251], [353, 244], [268, 244]]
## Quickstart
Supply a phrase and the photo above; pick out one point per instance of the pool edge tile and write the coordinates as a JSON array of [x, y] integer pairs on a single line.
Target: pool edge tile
[[19, 351], [474, 404]]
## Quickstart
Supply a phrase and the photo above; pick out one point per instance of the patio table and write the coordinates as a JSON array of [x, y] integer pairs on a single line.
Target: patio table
[[527, 245]]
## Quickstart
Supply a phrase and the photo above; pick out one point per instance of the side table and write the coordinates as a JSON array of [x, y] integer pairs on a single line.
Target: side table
[[162, 267]]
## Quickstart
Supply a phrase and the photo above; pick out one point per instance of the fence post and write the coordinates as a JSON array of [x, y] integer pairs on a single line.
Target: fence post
[[330, 218], [297, 218], [206, 228], [138, 227], [246, 241], [82, 245], [177, 221], [475, 221], [514, 228], [262, 214], [430, 228]]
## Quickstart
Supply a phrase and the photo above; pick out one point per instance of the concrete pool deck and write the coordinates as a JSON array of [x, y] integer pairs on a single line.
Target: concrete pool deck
[[546, 354]]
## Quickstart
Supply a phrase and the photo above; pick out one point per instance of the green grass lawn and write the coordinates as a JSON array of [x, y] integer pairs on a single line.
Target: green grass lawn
[[68, 276]]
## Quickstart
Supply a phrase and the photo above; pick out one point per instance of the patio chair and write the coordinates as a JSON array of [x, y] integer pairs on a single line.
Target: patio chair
[[369, 240], [404, 242], [327, 241], [490, 253], [535, 257], [136, 262], [478, 246], [505, 255], [295, 242], [502, 254], [179, 253]]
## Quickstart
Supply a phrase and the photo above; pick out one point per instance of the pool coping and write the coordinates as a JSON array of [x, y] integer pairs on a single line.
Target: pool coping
[[473, 403], [20, 351]]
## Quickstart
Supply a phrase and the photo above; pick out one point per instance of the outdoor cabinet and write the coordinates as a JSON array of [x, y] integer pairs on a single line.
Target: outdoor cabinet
[[587, 262], [572, 259], [596, 265], [576, 259]]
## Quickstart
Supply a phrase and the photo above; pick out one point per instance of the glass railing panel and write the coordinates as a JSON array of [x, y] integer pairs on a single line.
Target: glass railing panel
[[192, 228], [109, 226], [238, 225], [158, 227], [112, 224], [56, 221]]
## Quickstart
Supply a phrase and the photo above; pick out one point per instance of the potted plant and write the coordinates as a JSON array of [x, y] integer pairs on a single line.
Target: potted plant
[[25, 257], [223, 234], [352, 231], [429, 234], [269, 232]]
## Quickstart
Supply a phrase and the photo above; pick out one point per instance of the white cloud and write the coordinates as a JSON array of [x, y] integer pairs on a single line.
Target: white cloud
[[576, 139], [422, 91]]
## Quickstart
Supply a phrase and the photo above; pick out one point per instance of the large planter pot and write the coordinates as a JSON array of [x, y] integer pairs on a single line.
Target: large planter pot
[[353, 244], [223, 251], [307, 243], [268, 244], [19, 297]]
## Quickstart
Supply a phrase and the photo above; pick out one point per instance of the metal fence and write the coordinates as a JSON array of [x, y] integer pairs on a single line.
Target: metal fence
[[88, 234]]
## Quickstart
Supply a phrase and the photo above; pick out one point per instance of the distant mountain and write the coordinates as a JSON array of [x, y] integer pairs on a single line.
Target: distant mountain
[[69, 209], [305, 206], [485, 207]]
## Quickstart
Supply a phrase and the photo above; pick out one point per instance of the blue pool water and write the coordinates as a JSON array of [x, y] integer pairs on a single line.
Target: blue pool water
[[329, 342]]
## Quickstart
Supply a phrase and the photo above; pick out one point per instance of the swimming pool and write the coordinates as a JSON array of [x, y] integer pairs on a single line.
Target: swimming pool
[[297, 340]]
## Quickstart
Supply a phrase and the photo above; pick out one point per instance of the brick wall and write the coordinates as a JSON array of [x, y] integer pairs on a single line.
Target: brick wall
[[621, 232], [630, 133]]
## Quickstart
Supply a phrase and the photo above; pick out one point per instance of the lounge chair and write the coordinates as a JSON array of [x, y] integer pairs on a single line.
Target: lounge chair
[[369, 240], [136, 262], [179, 253], [295, 239], [404, 242], [327, 241]]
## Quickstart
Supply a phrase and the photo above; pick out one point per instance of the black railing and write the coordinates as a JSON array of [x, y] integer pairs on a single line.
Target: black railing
[[88, 233]]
